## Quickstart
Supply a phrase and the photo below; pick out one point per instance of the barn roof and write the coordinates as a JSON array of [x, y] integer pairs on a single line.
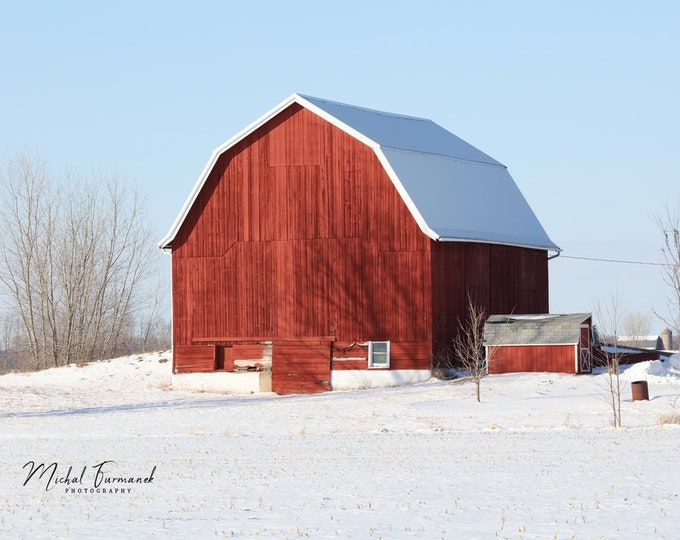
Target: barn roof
[[454, 191], [543, 329]]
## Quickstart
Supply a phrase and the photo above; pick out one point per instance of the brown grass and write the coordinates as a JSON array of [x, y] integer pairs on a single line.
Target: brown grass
[[669, 418]]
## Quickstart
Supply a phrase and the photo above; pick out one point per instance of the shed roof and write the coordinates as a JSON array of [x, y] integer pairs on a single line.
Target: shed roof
[[642, 342], [541, 329], [454, 191]]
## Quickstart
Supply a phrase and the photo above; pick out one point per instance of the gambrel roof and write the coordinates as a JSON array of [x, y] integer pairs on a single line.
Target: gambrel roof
[[454, 191], [545, 329]]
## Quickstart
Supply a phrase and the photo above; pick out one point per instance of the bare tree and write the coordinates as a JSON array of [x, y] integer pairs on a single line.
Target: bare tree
[[27, 233], [8, 334], [468, 345], [669, 225], [76, 256], [151, 329], [608, 315], [636, 327]]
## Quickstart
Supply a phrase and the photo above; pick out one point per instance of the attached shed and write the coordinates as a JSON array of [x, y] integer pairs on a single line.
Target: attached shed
[[550, 342], [336, 246]]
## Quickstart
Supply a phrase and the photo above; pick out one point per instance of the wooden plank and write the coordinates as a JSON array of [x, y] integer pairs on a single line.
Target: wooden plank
[[225, 356], [342, 364], [242, 339], [248, 351], [199, 358], [300, 368]]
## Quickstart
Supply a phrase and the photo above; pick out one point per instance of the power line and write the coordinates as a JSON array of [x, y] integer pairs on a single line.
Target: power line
[[619, 261]]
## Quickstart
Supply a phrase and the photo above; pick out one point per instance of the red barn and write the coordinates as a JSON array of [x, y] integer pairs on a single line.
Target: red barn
[[331, 246], [561, 343]]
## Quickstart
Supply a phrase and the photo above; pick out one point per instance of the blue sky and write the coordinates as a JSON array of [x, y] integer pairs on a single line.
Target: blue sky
[[578, 99]]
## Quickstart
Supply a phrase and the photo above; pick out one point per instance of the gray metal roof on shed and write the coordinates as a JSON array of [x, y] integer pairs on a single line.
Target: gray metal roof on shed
[[543, 329], [454, 191]]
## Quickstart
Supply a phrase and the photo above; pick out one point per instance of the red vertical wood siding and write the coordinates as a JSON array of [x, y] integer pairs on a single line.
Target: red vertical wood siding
[[501, 279], [194, 359], [299, 232], [301, 368], [410, 355], [519, 358]]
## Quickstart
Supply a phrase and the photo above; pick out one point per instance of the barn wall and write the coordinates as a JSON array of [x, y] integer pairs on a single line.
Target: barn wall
[[194, 359], [501, 279], [538, 358], [298, 232], [403, 356], [301, 367]]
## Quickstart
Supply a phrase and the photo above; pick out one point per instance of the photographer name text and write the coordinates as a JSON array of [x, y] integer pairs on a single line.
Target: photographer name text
[[100, 478]]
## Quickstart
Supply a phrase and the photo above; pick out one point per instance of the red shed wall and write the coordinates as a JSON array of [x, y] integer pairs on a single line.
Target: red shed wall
[[299, 232], [519, 358]]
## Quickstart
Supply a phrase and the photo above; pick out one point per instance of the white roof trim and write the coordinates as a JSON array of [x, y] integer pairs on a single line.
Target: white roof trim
[[381, 157], [570, 344], [537, 317], [198, 186], [337, 123], [405, 196]]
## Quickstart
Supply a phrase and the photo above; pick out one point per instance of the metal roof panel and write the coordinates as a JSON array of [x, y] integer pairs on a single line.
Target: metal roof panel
[[462, 200], [402, 132]]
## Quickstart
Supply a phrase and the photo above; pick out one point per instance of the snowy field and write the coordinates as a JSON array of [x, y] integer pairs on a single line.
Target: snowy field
[[536, 459]]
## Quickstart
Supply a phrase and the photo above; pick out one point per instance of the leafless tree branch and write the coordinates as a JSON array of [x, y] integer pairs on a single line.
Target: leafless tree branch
[[468, 345], [608, 315], [77, 259], [669, 224]]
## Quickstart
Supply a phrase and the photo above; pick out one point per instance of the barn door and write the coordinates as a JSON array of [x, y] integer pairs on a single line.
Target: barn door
[[301, 367], [585, 350]]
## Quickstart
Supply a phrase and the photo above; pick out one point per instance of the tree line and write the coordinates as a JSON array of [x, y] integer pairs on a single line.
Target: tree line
[[79, 273]]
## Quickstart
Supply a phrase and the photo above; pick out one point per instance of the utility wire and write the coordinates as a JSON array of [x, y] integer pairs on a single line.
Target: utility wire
[[619, 261]]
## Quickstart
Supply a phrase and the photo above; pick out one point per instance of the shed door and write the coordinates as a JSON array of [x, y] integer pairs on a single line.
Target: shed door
[[585, 350], [301, 367]]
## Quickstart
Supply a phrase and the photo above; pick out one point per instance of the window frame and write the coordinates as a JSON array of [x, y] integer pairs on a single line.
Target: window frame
[[371, 363]]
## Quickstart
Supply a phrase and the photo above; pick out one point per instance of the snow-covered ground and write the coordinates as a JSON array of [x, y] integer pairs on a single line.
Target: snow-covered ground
[[536, 459]]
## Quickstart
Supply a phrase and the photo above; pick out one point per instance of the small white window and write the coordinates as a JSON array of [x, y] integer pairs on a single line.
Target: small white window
[[378, 354]]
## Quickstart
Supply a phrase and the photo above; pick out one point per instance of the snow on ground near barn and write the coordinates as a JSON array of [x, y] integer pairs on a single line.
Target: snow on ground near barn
[[536, 459]]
